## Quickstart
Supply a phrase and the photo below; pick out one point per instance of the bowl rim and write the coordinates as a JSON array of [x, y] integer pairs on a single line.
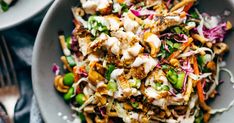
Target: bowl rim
[[36, 52], [22, 20]]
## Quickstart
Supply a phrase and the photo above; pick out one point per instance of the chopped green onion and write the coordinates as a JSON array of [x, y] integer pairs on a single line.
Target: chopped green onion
[[135, 104], [178, 30], [199, 118], [102, 28], [163, 53], [135, 83], [157, 86], [138, 82], [71, 61], [68, 79], [124, 7], [169, 43], [112, 86], [177, 45], [69, 94], [93, 38], [201, 60], [87, 68], [109, 71], [180, 81], [91, 19], [172, 76], [165, 67], [176, 79], [165, 88], [205, 70], [194, 14], [80, 98], [96, 26], [132, 83]]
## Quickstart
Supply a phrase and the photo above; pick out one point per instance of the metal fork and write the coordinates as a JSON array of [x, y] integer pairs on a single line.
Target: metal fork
[[9, 90]]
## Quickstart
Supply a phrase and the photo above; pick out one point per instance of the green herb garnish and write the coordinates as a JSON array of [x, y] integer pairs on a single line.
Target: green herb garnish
[[124, 7], [4, 6], [109, 71]]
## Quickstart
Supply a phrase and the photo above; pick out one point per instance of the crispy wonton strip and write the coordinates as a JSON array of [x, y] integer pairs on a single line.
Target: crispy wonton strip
[[189, 89], [181, 4]]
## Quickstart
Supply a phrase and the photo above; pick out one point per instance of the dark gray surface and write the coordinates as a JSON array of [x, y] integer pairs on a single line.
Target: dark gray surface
[[47, 51]]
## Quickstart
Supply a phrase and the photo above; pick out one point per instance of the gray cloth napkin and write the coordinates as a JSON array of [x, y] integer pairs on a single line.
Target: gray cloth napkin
[[35, 115], [20, 40]]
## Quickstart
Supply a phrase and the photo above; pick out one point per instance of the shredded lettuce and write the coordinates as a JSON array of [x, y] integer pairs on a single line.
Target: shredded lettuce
[[87, 102], [197, 51], [199, 77], [122, 113], [200, 26]]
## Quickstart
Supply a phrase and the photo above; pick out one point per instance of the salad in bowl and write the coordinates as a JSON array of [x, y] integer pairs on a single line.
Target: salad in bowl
[[142, 61]]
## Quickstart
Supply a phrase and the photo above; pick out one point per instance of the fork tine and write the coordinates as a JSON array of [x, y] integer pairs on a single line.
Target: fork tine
[[1, 79], [1, 73], [4, 55], [11, 65], [4, 68]]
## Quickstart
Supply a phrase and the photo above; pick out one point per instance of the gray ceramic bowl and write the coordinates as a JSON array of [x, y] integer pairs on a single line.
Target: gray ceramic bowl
[[21, 11], [47, 51]]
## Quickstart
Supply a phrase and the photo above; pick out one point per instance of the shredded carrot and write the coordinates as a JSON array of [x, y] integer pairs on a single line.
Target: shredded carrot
[[200, 91], [75, 69], [183, 14], [76, 23], [177, 53], [174, 54], [199, 86], [206, 117], [181, 4], [188, 6], [78, 90], [195, 66], [120, 1], [184, 45], [82, 68], [75, 72]]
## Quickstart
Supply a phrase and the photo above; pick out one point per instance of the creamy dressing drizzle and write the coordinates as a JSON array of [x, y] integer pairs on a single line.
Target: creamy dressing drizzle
[[148, 62], [116, 73], [155, 40]]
